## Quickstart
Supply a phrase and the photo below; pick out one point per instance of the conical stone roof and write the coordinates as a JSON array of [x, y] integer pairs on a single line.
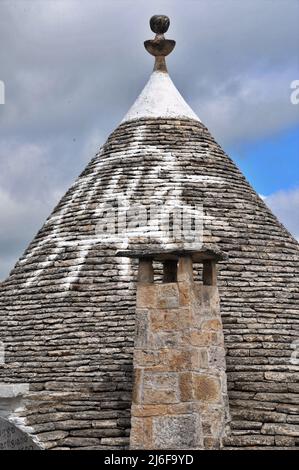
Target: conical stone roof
[[67, 308]]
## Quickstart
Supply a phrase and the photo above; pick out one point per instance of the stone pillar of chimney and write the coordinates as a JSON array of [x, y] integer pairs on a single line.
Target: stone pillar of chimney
[[180, 392]]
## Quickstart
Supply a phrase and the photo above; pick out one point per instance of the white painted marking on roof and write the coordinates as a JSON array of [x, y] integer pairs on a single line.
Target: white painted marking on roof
[[204, 178], [74, 276], [166, 168], [34, 275], [160, 98], [125, 268]]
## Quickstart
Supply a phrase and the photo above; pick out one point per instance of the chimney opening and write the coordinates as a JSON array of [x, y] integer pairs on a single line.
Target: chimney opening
[[209, 273], [170, 269]]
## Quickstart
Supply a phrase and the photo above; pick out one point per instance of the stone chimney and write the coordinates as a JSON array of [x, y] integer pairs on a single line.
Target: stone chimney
[[180, 393]]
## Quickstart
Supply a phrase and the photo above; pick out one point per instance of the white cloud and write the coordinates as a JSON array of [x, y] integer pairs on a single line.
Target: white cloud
[[19, 221], [31, 184], [70, 66], [285, 205], [250, 106], [27, 195]]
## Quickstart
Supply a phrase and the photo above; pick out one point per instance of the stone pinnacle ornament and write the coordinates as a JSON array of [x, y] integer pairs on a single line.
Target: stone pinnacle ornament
[[159, 47]]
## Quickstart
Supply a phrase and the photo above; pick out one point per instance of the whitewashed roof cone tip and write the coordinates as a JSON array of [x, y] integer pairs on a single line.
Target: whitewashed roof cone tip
[[160, 97]]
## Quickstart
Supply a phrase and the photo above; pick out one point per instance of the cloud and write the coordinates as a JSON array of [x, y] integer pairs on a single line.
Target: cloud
[[71, 72], [31, 184], [18, 222], [285, 205], [26, 196], [250, 107], [70, 67]]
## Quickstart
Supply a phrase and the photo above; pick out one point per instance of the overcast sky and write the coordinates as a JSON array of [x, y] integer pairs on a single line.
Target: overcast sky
[[72, 69]]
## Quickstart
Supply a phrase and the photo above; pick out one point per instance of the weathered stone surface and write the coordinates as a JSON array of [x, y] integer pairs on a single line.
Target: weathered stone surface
[[176, 432], [12, 438], [206, 388], [168, 296], [246, 425], [116, 441], [72, 424], [53, 435], [281, 429], [209, 325], [185, 271], [141, 433], [186, 386], [160, 396], [198, 338], [81, 441], [254, 414], [210, 443], [160, 388], [97, 432], [146, 296], [168, 320], [216, 356], [162, 409], [249, 441], [105, 423], [163, 360], [141, 328], [282, 377], [284, 441]]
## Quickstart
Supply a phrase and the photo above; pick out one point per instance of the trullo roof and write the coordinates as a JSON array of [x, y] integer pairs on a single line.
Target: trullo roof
[[67, 308]]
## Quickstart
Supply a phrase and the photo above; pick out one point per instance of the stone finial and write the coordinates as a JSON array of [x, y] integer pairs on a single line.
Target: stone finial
[[159, 47], [159, 24]]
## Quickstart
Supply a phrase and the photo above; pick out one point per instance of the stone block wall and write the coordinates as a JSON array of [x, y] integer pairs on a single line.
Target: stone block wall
[[180, 393]]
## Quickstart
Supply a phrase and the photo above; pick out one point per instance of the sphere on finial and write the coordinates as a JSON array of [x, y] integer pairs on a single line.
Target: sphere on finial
[[159, 24]]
